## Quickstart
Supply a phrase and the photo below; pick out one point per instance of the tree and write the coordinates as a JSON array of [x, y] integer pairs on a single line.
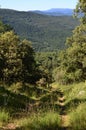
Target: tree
[[26, 54], [8, 51], [5, 27], [16, 59], [73, 61]]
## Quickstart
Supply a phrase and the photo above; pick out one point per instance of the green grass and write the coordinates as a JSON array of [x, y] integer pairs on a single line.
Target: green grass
[[42, 121], [45, 115], [77, 91], [4, 116], [75, 104], [74, 94], [78, 118]]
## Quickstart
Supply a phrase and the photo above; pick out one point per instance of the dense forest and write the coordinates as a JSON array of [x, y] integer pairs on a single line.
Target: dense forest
[[43, 90], [47, 33]]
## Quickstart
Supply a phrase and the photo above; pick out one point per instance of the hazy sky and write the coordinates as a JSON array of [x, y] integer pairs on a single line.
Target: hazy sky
[[26, 5]]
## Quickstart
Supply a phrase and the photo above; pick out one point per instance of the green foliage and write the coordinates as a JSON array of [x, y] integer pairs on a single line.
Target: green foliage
[[8, 42], [74, 95], [42, 121], [78, 118], [28, 64], [16, 58], [25, 97], [4, 27], [47, 62], [47, 33], [73, 59], [4, 116], [77, 91]]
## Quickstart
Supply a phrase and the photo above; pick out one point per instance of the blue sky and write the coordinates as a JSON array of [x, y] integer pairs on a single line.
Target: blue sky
[[25, 5]]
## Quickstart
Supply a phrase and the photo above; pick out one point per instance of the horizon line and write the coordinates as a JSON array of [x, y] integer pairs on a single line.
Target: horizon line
[[36, 9]]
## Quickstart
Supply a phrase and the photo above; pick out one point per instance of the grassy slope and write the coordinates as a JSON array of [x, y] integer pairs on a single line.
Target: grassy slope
[[74, 104], [74, 93], [75, 98]]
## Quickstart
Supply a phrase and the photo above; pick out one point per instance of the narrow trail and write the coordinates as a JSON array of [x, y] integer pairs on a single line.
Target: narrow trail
[[10, 126], [63, 114]]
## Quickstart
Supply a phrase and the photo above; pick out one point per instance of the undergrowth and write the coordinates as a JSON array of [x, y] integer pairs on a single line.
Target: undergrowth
[[4, 116], [41, 121], [78, 118]]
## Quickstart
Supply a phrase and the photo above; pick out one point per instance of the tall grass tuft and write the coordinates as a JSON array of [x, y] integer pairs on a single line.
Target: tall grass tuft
[[42, 121], [78, 118], [4, 116]]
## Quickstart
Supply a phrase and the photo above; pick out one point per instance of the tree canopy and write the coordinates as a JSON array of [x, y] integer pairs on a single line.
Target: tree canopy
[[16, 57], [73, 59]]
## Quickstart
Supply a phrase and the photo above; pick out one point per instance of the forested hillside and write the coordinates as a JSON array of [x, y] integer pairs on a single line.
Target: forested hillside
[[47, 33], [43, 90]]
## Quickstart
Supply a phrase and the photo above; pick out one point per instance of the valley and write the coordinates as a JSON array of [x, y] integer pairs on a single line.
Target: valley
[[47, 33], [43, 69]]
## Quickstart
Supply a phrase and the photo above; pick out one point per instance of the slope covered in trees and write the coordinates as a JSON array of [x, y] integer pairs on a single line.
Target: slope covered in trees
[[47, 33], [73, 59], [40, 105]]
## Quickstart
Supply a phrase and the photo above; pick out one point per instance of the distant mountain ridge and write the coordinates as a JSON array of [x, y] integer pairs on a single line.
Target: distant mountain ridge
[[47, 33], [56, 12]]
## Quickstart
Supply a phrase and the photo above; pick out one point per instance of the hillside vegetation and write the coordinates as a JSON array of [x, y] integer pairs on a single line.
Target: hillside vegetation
[[47, 33], [43, 91]]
